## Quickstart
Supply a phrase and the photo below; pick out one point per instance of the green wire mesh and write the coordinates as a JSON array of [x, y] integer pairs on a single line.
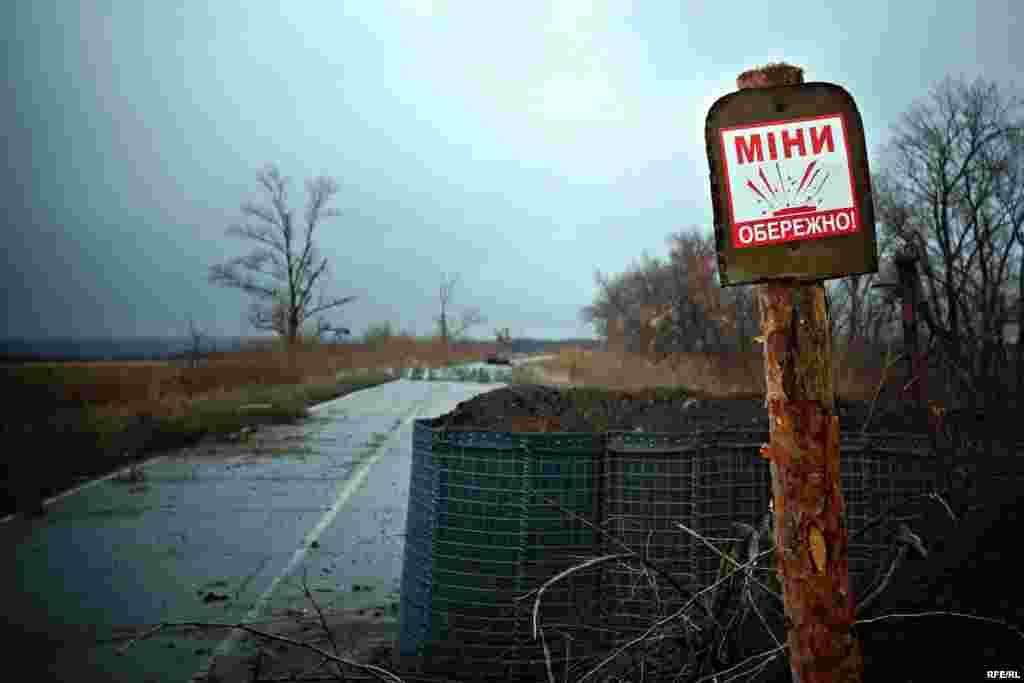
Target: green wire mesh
[[493, 516]]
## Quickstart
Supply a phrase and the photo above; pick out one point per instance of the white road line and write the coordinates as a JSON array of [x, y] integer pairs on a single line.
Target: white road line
[[351, 486]]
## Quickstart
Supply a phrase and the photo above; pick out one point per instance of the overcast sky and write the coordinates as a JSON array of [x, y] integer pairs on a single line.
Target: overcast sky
[[521, 144]]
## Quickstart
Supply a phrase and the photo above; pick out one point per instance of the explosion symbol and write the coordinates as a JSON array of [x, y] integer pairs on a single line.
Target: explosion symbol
[[790, 198]]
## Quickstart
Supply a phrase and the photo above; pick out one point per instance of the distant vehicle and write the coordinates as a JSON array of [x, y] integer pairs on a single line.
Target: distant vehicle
[[498, 360]]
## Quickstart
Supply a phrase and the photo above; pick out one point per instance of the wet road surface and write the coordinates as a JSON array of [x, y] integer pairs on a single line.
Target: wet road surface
[[219, 537]]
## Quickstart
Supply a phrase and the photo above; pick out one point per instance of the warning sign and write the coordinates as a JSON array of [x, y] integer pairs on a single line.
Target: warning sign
[[790, 185], [789, 180]]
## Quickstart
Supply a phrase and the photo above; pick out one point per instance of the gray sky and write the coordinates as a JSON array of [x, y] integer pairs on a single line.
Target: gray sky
[[520, 145]]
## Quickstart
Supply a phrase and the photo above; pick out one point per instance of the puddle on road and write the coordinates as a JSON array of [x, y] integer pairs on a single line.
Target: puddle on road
[[466, 372], [353, 592], [298, 442], [118, 511]]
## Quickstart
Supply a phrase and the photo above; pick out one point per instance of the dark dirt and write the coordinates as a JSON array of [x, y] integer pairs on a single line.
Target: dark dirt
[[536, 408], [366, 636], [973, 569]]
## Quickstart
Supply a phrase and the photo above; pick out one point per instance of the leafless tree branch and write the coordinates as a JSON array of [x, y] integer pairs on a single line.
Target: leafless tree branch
[[281, 276], [950, 193], [450, 328]]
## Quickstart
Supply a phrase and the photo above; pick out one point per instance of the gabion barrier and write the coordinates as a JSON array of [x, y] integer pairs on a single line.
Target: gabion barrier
[[480, 534], [708, 480]]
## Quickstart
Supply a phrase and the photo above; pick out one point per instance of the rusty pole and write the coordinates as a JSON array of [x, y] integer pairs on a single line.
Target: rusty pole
[[811, 536], [917, 382]]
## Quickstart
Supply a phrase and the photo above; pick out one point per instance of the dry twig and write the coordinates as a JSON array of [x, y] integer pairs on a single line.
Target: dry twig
[[323, 624], [937, 496], [937, 613], [633, 554], [375, 671], [907, 541], [725, 557], [669, 619], [890, 361]]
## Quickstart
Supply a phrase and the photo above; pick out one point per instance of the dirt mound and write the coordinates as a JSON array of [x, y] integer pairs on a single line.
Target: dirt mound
[[537, 408], [973, 569]]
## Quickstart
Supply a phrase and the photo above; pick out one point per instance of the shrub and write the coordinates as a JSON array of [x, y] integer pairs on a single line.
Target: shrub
[[377, 335]]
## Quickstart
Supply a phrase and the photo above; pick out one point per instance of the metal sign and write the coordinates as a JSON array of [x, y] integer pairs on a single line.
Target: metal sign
[[790, 185]]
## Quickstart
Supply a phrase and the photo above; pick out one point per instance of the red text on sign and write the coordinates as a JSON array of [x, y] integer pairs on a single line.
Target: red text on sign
[[809, 226], [749, 148]]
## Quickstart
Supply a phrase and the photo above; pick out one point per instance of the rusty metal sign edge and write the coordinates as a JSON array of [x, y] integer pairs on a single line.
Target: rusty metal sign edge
[[862, 258]]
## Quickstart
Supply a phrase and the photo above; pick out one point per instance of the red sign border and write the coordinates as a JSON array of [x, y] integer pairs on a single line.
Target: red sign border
[[728, 179]]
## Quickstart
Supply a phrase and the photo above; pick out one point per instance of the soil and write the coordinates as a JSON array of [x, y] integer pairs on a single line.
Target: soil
[[538, 408], [973, 569], [366, 636]]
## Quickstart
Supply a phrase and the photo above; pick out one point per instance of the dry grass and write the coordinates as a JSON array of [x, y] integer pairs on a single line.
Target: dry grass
[[122, 388], [719, 375], [94, 417]]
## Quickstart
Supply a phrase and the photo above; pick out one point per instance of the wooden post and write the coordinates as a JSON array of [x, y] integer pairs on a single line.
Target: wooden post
[[650, 315], [917, 378], [810, 520], [617, 335]]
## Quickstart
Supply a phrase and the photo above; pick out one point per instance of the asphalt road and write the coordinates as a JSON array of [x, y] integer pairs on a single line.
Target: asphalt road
[[217, 538]]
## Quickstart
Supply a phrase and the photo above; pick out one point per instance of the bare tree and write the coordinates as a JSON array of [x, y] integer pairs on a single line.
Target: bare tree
[[679, 297], [957, 199], [705, 315], [450, 327], [709, 304], [1019, 356], [281, 274], [610, 304], [503, 336], [634, 299], [860, 313], [652, 292], [196, 337], [308, 333]]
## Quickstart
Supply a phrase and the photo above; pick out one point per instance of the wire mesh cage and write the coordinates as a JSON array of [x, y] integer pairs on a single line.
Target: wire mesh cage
[[496, 515], [493, 516]]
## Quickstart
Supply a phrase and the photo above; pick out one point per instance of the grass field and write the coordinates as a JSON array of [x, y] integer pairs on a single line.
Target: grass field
[[701, 374], [90, 418]]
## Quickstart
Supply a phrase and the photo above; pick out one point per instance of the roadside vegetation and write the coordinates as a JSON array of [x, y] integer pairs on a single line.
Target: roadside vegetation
[[87, 419], [726, 374]]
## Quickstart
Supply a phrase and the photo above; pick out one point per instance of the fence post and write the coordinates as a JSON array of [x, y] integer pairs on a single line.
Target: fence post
[[811, 535], [918, 376]]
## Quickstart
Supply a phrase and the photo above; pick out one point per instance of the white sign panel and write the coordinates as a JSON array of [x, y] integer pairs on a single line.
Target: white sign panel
[[789, 180]]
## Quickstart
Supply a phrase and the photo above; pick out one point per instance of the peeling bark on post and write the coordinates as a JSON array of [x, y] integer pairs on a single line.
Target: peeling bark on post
[[811, 536]]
